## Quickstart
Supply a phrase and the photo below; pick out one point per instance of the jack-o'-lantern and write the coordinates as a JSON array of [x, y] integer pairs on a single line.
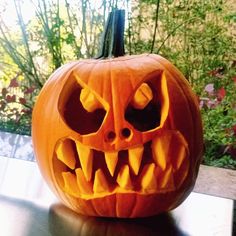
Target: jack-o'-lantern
[[118, 137]]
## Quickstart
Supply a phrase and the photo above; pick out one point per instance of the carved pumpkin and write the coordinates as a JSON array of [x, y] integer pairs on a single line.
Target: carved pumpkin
[[118, 137]]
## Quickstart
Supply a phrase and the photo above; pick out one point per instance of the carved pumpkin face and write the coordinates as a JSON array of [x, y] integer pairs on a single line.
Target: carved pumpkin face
[[118, 137]]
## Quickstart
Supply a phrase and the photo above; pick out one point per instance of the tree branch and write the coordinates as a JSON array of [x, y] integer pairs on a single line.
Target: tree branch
[[156, 25]]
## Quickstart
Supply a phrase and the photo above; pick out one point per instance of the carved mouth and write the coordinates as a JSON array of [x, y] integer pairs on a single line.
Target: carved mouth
[[159, 165]]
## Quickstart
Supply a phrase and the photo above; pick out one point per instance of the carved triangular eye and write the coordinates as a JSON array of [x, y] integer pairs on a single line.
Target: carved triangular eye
[[82, 109], [144, 109]]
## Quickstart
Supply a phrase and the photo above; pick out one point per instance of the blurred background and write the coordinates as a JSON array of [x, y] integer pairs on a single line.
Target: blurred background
[[198, 36]]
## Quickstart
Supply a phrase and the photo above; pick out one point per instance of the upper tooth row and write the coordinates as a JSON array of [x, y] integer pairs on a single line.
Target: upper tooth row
[[66, 154], [151, 179], [170, 148]]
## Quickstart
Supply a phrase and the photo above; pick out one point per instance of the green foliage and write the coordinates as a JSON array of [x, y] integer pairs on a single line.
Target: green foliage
[[219, 119], [197, 36], [23, 126]]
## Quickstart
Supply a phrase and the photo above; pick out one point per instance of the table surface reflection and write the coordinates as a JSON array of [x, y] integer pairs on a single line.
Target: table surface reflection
[[28, 208]]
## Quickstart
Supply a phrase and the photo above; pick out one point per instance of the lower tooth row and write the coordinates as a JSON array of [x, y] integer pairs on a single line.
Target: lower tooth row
[[172, 148], [152, 178], [123, 178]]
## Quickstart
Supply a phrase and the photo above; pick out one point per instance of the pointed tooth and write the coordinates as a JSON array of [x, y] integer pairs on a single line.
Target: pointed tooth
[[111, 161], [65, 153], [160, 150], [86, 159], [135, 158], [123, 178], [84, 186], [180, 157], [148, 179], [100, 182], [167, 180], [179, 150], [70, 184]]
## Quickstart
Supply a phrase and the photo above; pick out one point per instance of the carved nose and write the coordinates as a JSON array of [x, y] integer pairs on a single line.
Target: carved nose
[[124, 134], [110, 136]]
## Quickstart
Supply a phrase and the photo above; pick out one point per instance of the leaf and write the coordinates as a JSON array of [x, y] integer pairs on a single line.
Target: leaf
[[26, 111], [221, 94], [22, 101], [4, 92], [14, 83], [2, 105], [218, 72], [234, 129], [29, 90], [70, 38], [232, 151], [10, 98]]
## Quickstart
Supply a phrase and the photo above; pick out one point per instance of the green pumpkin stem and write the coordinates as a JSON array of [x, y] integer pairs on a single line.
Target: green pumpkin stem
[[112, 44]]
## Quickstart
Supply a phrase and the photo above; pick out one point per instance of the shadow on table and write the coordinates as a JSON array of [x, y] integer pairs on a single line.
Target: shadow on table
[[63, 221], [25, 218]]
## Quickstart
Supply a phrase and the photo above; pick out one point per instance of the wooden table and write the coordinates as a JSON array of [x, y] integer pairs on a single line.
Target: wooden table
[[28, 208]]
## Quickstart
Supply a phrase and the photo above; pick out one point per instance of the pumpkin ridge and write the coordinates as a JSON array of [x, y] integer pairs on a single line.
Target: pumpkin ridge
[[37, 130], [183, 86], [159, 60], [133, 206], [90, 75], [93, 204], [194, 112]]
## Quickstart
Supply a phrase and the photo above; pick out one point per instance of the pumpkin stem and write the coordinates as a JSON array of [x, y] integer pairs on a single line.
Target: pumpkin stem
[[112, 44]]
